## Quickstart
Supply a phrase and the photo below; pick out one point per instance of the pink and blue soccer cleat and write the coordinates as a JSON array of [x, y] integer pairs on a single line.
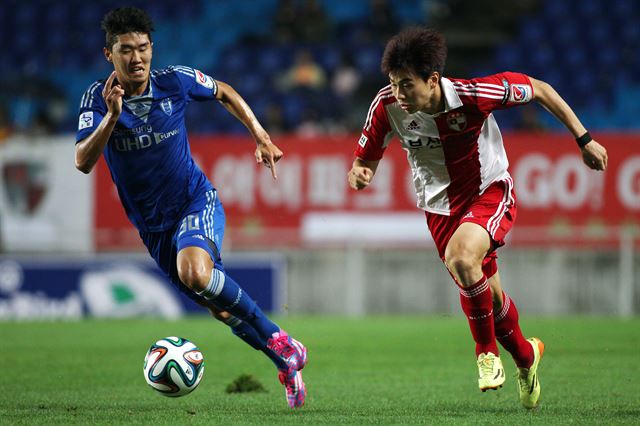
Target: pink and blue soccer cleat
[[294, 355], [293, 386]]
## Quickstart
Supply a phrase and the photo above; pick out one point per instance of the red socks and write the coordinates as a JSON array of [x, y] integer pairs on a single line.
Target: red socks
[[477, 305], [510, 336]]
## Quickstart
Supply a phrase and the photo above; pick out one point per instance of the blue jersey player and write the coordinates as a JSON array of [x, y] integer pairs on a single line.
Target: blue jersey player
[[136, 119]]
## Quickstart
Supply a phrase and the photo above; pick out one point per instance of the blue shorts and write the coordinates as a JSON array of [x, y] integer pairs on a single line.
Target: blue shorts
[[202, 226]]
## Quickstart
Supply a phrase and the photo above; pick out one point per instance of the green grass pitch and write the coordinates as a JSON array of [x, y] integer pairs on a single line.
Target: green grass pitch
[[375, 370]]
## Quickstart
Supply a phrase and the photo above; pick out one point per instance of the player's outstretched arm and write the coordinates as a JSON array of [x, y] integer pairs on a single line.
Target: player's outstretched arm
[[361, 173], [266, 151], [594, 155], [89, 149]]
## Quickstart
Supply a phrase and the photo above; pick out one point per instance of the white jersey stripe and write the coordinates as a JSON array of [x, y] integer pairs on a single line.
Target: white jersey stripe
[[88, 95], [205, 215], [507, 200], [494, 220], [480, 89], [479, 95], [385, 93], [211, 223], [185, 69], [372, 108], [84, 97], [90, 99], [186, 73], [486, 85]]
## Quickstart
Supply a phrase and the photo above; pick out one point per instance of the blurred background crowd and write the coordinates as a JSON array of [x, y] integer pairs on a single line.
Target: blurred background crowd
[[311, 67]]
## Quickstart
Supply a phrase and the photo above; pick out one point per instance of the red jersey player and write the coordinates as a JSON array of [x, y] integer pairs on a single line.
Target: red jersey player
[[459, 167]]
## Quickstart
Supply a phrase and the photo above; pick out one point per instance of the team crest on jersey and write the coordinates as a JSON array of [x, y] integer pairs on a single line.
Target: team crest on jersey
[[166, 106], [457, 121], [520, 93], [86, 120], [204, 79]]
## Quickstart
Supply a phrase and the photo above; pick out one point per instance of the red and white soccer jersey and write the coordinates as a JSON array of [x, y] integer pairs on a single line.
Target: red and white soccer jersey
[[455, 154]]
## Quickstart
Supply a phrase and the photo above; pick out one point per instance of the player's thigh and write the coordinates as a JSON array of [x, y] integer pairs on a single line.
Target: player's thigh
[[198, 239], [469, 242]]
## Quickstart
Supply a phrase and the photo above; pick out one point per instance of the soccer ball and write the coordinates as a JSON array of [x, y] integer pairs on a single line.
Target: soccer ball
[[173, 366]]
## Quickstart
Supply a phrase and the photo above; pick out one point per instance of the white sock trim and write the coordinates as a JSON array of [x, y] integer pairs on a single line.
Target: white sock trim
[[215, 286]]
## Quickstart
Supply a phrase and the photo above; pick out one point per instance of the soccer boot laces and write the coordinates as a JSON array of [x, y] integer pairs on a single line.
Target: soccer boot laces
[[292, 352], [491, 372], [528, 383]]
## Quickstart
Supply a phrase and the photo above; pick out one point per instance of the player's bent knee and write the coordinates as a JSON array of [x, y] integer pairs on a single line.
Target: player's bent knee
[[460, 264], [194, 275]]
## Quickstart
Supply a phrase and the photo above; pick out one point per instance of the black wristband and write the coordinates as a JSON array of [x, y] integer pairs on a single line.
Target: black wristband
[[584, 139]]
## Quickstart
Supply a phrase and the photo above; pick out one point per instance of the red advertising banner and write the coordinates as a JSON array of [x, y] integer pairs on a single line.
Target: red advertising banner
[[312, 203]]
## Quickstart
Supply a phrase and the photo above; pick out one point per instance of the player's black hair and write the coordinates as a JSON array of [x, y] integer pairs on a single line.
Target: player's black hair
[[125, 20], [417, 49]]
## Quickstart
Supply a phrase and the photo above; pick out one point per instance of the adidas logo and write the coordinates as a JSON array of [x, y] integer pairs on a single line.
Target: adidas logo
[[413, 125]]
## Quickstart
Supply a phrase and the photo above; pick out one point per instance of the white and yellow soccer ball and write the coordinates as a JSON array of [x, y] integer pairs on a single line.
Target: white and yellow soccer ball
[[173, 366]]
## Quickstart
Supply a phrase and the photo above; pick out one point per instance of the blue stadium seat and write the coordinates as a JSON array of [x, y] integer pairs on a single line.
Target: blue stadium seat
[[508, 56], [328, 56], [556, 11], [341, 11], [367, 58], [273, 60], [623, 9], [532, 32], [576, 58], [591, 10], [236, 60]]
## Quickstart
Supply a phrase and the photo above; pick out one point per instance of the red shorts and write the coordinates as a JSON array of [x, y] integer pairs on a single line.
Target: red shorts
[[494, 210]]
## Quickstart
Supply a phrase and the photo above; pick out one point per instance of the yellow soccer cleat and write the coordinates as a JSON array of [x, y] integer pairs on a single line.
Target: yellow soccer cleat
[[528, 383], [491, 372]]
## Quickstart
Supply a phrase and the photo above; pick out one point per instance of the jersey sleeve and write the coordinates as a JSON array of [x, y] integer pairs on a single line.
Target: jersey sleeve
[[196, 85], [377, 130], [497, 91], [92, 110]]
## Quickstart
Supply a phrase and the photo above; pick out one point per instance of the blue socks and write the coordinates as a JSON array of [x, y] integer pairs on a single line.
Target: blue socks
[[227, 295], [250, 336]]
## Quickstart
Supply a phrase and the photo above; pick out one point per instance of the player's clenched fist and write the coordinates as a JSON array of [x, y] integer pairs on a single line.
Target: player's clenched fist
[[359, 177]]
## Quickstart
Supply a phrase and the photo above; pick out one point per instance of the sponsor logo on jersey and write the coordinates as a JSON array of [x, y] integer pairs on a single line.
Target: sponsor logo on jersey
[[86, 120], [363, 141], [141, 141], [520, 93], [457, 121], [204, 79], [413, 125], [166, 106]]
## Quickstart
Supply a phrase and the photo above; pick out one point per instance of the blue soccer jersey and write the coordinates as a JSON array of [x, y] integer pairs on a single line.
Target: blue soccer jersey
[[148, 151]]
